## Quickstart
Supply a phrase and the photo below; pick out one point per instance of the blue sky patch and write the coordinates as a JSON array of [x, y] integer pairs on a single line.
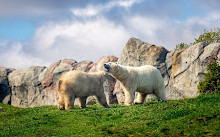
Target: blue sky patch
[[16, 30]]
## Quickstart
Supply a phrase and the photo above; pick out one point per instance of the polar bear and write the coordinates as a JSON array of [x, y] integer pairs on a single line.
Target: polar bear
[[144, 80], [78, 84]]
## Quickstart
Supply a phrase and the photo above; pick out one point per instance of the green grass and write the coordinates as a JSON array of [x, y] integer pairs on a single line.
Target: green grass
[[188, 117]]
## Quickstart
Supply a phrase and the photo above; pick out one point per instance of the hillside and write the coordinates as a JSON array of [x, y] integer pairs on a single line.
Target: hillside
[[188, 117]]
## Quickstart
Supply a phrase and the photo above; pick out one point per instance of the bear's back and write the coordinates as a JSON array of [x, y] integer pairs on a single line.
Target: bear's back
[[72, 77], [81, 82], [146, 76], [141, 69]]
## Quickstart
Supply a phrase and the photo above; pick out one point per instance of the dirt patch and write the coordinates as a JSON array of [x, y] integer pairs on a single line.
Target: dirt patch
[[204, 119]]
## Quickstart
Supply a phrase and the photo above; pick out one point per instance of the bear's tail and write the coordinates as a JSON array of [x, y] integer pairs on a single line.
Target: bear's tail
[[59, 84]]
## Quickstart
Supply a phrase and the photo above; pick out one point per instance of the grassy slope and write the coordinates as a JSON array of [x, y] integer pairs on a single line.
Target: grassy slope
[[190, 117]]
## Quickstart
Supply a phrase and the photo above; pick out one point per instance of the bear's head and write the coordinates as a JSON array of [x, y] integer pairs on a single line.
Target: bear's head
[[111, 67]]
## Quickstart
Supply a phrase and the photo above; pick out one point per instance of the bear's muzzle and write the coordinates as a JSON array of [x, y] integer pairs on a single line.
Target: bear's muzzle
[[107, 67]]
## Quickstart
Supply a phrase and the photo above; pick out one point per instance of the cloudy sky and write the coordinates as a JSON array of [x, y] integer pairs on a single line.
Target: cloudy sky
[[39, 32]]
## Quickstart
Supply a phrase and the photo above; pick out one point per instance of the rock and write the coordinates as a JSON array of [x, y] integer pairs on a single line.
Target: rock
[[181, 70], [138, 53], [98, 66], [188, 69], [26, 88], [5, 90], [211, 51], [1, 109], [37, 86], [84, 66]]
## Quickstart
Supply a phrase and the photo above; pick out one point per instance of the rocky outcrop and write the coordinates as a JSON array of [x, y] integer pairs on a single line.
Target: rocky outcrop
[[36, 86], [5, 90], [26, 88], [181, 70], [138, 53], [188, 69]]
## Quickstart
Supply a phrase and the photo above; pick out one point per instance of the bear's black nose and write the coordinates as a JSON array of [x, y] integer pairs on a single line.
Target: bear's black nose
[[107, 67]]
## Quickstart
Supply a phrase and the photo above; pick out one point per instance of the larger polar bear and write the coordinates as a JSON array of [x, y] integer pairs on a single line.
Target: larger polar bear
[[144, 80], [78, 84]]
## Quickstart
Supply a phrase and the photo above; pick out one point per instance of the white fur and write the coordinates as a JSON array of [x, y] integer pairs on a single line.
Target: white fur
[[78, 84], [144, 80]]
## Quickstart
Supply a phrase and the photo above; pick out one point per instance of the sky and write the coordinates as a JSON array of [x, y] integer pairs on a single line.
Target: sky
[[40, 32]]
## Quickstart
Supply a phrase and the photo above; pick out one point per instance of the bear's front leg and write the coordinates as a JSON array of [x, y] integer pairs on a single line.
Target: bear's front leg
[[129, 97], [61, 104], [140, 98], [82, 102], [69, 101], [102, 100]]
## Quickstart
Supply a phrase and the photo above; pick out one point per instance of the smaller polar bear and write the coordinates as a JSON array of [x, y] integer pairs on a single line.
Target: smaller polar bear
[[144, 80], [78, 84]]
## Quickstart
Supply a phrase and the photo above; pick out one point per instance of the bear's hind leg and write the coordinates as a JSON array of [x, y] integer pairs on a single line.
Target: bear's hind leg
[[140, 98], [69, 102], [102, 101], [61, 104], [82, 102]]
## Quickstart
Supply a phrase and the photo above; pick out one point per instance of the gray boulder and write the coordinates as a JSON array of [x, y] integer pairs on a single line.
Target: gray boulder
[[181, 70], [5, 90], [26, 88], [188, 69], [138, 53]]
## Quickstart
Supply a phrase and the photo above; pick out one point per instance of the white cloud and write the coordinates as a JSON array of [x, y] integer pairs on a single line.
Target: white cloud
[[14, 57], [93, 10], [168, 32], [78, 40], [145, 28], [122, 3], [127, 3], [86, 12], [92, 38]]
